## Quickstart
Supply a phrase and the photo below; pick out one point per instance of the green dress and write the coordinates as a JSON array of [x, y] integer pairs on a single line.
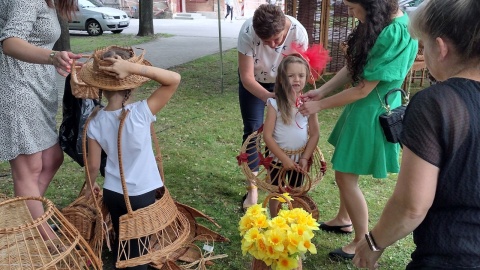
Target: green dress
[[360, 145]]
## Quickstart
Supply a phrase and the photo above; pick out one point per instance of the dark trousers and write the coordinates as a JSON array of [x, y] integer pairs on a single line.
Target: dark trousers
[[229, 11], [294, 178], [115, 203], [252, 110]]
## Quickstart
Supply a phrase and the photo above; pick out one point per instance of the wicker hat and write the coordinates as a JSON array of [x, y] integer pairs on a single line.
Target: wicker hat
[[89, 78]]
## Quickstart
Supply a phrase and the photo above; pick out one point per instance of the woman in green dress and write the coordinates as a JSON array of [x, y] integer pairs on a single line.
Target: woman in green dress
[[379, 55]]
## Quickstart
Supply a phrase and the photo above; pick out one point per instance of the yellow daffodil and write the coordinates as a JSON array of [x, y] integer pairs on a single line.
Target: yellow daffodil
[[303, 231], [286, 263], [281, 199], [252, 235], [255, 210], [309, 246], [276, 237], [260, 221], [279, 241], [278, 223], [293, 241], [245, 224]]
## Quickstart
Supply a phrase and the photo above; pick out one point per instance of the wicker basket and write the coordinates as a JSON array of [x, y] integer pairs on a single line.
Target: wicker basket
[[305, 202], [161, 223], [260, 265], [255, 151], [79, 88], [87, 214], [22, 246]]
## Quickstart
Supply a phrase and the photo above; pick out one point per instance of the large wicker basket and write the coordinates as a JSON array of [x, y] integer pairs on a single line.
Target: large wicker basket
[[22, 246], [165, 228], [257, 164], [88, 215]]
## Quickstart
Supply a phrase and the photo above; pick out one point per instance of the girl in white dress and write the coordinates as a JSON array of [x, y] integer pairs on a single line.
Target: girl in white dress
[[287, 130]]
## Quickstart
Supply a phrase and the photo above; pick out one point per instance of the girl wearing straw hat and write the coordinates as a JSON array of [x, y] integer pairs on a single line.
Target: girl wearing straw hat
[[117, 71]]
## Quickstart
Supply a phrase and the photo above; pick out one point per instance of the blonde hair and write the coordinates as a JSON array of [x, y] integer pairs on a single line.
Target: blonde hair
[[456, 21], [283, 90]]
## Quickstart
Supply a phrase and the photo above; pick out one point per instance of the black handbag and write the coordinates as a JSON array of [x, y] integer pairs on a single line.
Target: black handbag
[[391, 120], [75, 112]]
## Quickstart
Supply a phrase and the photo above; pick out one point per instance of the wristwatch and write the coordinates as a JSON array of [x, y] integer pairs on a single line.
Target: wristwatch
[[371, 242], [51, 56]]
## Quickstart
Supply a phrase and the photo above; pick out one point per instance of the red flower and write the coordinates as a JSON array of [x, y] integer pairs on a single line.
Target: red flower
[[265, 161], [243, 157]]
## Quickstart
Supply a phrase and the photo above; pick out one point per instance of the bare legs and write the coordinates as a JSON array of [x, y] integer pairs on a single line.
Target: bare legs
[[353, 207], [252, 194], [31, 176]]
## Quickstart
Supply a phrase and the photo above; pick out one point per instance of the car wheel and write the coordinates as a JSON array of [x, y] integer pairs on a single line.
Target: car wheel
[[117, 31], [94, 28]]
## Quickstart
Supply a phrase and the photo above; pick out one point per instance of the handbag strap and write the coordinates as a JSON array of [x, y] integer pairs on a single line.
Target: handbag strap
[[384, 102], [158, 159]]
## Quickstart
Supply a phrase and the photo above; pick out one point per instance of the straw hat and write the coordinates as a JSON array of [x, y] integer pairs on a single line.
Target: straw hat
[[89, 76]]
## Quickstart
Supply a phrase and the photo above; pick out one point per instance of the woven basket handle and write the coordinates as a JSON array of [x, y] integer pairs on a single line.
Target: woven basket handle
[[158, 155], [158, 159], [88, 180], [272, 195]]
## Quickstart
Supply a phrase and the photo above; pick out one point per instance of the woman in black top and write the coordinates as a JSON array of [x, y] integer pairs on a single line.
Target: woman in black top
[[438, 190]]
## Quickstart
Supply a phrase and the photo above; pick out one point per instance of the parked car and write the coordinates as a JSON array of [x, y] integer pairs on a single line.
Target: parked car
[[95, 19]]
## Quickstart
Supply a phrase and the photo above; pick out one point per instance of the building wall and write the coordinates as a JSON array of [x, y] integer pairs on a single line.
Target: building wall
[[200, 5]]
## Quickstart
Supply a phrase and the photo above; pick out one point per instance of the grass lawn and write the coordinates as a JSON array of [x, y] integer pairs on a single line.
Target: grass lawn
[[200, 134]]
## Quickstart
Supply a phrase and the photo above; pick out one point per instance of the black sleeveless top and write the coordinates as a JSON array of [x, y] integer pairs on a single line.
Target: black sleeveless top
[[442, 126]]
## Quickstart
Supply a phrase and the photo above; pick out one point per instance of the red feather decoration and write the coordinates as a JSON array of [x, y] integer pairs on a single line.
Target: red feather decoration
[[316, 56]]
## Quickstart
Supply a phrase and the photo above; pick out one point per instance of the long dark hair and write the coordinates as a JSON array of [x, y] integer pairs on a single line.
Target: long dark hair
[[361, 40]]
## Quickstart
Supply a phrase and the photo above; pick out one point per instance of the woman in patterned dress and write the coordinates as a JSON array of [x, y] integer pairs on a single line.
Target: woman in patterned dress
[[379, 54], [29, 100]]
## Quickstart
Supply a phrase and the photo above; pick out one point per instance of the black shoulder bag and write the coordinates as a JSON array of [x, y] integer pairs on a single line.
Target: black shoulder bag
[[391, 120]]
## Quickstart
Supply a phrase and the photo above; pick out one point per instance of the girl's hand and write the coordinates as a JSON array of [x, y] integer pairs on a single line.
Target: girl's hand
[[119, 67], [289, 165], [96, 190], [303, 164]]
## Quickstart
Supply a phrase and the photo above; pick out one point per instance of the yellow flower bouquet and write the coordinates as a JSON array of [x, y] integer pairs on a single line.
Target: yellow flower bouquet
[[280, 241]]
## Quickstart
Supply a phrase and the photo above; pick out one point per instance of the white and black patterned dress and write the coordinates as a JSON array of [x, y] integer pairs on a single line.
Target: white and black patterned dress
[[28, 96]]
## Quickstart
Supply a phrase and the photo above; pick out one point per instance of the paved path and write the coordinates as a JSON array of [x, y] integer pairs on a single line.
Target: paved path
[[192, 39]]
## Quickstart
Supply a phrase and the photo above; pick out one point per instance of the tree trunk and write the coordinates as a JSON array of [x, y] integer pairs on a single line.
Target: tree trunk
[[145, 20], [63, 43]]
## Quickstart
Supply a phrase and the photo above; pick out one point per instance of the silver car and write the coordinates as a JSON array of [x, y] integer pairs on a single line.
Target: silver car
[[96, 19]]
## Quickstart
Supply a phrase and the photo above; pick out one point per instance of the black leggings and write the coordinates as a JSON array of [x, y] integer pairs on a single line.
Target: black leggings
[[115, 203]]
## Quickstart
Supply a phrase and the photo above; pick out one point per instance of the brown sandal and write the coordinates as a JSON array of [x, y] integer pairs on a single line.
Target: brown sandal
[[244, 208]]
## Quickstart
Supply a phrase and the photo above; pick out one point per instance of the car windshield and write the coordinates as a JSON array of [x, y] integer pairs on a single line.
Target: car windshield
[[85, 4]]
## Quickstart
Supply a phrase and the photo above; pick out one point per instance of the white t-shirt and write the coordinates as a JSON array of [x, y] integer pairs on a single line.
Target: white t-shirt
[[229, 2], [293, 136], [139, 165], [266, 59]]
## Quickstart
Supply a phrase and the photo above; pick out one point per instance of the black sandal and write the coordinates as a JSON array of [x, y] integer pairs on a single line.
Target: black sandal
[[335, 229]]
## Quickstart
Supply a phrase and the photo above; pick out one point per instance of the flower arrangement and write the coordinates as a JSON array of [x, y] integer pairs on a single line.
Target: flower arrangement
[[280, 241]]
